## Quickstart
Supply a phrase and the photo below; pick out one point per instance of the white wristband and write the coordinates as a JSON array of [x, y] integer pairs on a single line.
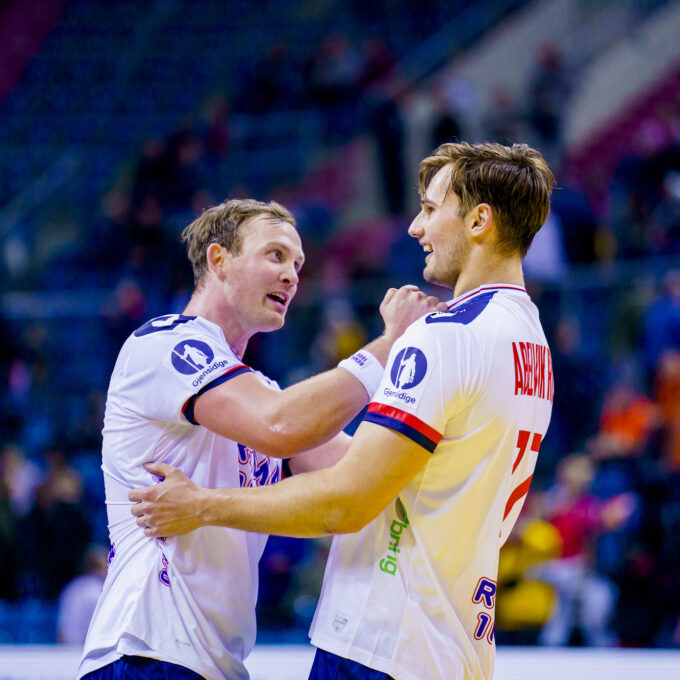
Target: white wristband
[[365, 368]]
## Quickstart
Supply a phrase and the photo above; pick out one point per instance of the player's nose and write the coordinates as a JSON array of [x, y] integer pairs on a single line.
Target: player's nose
[[289, 275], [415, 228]]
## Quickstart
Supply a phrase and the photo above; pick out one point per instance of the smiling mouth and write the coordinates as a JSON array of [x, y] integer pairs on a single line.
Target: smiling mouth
[[277, 297]]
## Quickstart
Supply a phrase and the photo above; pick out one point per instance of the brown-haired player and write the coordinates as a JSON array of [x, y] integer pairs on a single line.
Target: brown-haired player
[[437, 472], [181, 395]]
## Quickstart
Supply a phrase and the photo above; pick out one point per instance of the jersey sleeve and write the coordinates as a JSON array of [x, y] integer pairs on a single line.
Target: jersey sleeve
[[169, 369], [413, 395]]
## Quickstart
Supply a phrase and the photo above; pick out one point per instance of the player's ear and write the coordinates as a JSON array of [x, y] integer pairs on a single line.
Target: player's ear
[[217, 258], [481, 218]]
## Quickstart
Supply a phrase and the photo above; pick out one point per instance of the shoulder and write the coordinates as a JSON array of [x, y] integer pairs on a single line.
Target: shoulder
[[164, 324], [489, 312], [185, 344], [461, 320], [191, 331], [464, 312]]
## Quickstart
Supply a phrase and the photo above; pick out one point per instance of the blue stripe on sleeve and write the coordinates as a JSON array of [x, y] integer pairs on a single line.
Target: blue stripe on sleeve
[[188, 409], [400, 426]]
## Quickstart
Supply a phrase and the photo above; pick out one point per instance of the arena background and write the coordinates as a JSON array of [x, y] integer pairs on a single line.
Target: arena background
[[120, 121]]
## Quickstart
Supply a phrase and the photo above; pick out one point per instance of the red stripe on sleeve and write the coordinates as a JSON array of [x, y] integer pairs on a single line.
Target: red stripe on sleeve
[[516, 495], [407, 418]]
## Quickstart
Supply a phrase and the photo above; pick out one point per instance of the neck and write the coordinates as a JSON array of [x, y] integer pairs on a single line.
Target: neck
[[208, 305], [482, 270]]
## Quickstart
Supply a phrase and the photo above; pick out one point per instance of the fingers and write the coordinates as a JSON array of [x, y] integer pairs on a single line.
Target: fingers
[[136, 509], [152, 532], [137, 495], [159, 469], [442, 306], [140, 512], [389, 295]]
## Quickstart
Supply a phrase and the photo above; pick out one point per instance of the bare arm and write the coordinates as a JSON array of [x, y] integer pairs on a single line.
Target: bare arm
[[282, 423], [324, 456], [342, 499]]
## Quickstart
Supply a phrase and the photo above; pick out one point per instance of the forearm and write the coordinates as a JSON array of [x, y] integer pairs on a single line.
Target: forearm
[[338, 500], [308, 414], [304, 506]]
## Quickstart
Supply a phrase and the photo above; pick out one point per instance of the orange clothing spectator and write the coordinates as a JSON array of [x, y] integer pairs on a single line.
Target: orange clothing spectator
[[667, 393], [628, 418]]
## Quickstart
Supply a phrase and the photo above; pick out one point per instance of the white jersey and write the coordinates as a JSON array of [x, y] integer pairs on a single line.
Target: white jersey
[[188, 600], [413, 593]]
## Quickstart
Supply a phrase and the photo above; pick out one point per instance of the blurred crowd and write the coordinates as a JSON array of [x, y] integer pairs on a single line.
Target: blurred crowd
[[592, 560]]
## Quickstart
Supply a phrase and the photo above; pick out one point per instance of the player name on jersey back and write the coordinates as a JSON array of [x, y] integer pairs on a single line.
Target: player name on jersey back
[[533, 370]]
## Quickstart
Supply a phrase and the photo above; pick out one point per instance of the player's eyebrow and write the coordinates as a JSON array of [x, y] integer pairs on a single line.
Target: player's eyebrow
[[426, 199]]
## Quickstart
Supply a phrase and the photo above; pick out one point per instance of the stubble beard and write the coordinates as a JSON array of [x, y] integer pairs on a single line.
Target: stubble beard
[[448, 278]]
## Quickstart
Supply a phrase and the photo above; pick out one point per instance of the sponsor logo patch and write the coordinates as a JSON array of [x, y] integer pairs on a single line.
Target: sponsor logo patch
[[408, 369], [191, 356]]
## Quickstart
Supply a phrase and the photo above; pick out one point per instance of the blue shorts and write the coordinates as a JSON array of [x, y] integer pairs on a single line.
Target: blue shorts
[[142, 668], [328, 666]]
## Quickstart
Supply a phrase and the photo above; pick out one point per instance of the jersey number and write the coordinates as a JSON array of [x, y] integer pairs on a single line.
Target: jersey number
[[520, 491]]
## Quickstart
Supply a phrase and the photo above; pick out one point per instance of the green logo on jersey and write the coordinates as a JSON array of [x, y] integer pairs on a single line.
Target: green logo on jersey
[[389, 563]]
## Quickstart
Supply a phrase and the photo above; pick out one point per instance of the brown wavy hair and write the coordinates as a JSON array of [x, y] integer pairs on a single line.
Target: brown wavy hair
[[514, 180]]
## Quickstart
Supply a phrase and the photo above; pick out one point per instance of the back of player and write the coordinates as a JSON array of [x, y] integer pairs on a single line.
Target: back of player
[[413, 593]]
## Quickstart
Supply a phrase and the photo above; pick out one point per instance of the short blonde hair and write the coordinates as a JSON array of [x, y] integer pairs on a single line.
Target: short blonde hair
[[514, 180], [222, 224]]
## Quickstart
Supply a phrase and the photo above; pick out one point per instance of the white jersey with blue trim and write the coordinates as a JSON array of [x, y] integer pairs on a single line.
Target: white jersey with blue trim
[[188, 600], [413, 593]]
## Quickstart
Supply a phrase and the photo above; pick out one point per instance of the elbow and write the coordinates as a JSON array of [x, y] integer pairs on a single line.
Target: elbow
[[345, 519], [282, 437], [279, 441]]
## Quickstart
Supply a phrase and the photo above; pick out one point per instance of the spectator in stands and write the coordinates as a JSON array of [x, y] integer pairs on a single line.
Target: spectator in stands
[[8, 531], [446, 126], [56, 532], [523, 602], [585, 598], [337, 67], [549, 89], [503, 120], [388, 131], [269, 82], [627, 420], [78, 599], [216, 128], [667, 395], [340, 333], [577, 402], [661, 324], [20, 479]]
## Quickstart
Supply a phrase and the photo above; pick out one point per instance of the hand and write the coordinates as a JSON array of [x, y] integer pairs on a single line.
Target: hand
[[401, 307], [170, 508]]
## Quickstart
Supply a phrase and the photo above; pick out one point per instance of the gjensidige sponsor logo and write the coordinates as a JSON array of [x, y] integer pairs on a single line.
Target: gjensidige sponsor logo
[[213, 367], [399, 395], [191, 356], [408, 368]]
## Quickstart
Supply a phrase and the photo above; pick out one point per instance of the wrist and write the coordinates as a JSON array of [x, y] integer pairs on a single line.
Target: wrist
[[366, 368], [206, 508]]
